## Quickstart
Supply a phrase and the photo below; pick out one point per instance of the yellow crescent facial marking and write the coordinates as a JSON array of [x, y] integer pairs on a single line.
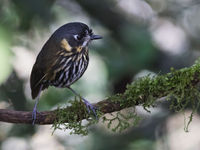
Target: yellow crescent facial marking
[[79, 49], [65, 45]]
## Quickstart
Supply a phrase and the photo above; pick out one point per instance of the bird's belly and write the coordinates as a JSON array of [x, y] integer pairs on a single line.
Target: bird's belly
[[70, 73]]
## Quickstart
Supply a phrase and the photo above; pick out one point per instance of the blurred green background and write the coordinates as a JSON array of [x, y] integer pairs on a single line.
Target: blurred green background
[[140, 37]]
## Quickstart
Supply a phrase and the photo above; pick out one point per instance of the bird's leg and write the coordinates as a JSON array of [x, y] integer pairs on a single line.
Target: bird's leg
[[88, 105], [34, 113]]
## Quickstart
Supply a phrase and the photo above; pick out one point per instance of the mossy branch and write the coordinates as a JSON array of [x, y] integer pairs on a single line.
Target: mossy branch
[[182, 86], [49, 117]]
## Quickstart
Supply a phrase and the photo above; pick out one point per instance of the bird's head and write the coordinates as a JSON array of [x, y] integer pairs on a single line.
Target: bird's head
[[75, 36]]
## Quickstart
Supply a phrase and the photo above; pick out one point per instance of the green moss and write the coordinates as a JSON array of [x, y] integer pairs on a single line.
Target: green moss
[[122, 121], [179, 86], [74, 115]]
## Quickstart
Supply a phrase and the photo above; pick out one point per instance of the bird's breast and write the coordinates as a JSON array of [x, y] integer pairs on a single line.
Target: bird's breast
[[69, 69]]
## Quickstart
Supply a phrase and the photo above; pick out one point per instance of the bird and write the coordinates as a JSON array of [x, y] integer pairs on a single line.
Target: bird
[[62, 61]]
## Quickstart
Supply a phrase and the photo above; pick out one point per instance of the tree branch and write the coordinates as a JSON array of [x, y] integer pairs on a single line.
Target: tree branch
[[181, 85], [49, 117]]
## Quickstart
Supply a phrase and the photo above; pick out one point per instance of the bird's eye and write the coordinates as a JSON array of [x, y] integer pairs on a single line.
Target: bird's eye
[[77, 37], [90, 31], [86, 32]]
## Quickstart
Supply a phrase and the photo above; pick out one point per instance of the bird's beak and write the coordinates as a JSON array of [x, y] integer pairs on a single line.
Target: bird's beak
[[95, 37]]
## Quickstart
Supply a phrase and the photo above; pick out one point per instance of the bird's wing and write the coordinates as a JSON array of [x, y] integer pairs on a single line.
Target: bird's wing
[[37, 75], [39, 72], [44, 67]]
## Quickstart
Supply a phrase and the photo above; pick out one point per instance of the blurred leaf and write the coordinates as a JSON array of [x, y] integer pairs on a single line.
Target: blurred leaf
[[5, 55], [28, 10], [142, 145], [54, 96], [20, 130]]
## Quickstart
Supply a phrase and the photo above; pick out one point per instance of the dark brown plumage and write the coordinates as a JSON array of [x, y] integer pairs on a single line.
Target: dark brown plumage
[[62, 60]]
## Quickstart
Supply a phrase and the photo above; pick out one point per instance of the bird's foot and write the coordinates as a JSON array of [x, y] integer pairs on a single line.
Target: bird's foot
[[90, 107], [34, 115]]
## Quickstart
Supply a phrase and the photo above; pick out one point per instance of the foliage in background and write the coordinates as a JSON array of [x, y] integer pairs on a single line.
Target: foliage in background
[[128, 47]]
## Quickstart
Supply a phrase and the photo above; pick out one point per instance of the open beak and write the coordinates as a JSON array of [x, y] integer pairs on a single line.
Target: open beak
[[95, 37]]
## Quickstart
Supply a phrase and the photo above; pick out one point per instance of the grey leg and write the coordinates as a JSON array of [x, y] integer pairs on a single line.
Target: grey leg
[[88, 105], [34, 113]]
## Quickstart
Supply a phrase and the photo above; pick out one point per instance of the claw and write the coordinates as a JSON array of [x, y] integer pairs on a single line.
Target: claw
[[90, 107], [34, 115]]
